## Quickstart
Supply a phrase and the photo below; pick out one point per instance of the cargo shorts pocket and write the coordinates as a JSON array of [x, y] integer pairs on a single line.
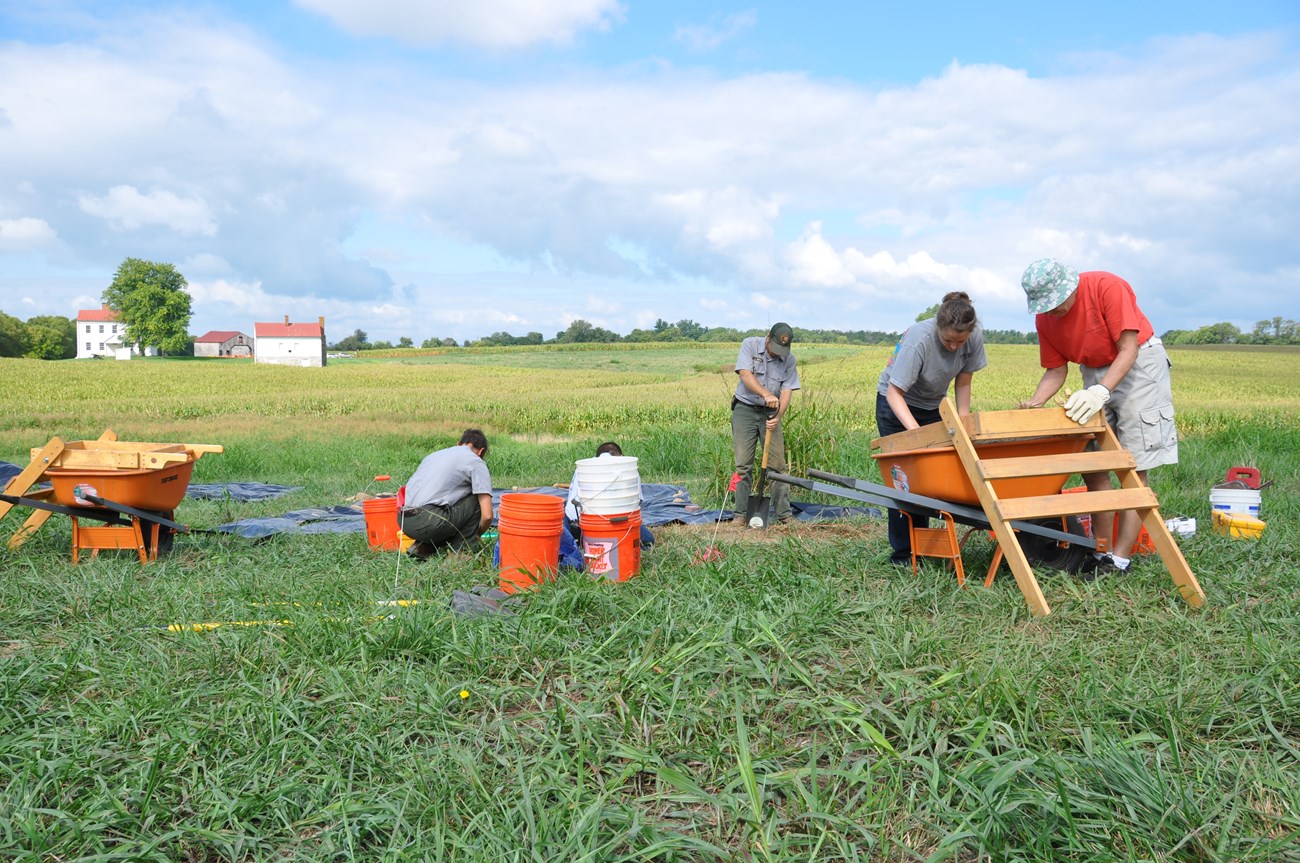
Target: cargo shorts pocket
[[1158, 431]]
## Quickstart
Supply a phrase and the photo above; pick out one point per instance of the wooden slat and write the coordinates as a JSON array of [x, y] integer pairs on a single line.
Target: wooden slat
[[30, 475], [163, 459], [42, 458], [1046, 465], [124, 446], [98, 459], [1038, 422], [1050, 505], [925, 437], [1172, 555], [1166, 547], [1010, 544], [30, 526]]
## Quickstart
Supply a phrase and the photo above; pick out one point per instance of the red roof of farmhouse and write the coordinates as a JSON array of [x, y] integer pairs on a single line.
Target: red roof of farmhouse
[[100, 314], [287, 331], [217, 336]]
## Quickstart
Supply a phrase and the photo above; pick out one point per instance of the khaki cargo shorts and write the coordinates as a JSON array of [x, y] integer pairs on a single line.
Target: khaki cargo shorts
[[1141, 408]]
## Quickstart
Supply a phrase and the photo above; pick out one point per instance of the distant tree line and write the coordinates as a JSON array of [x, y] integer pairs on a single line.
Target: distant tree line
[[685, 330], [1274, 331], [53, 337]]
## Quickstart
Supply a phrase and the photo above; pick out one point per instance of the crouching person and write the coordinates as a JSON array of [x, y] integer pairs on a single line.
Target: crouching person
[[449, 498]]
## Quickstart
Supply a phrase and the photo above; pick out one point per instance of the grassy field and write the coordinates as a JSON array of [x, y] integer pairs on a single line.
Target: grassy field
[[797, 700]]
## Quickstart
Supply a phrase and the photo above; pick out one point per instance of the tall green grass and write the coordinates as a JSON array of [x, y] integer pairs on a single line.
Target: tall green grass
[[797, 700]]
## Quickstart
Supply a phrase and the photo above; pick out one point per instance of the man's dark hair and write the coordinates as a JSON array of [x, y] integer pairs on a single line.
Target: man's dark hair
[[610, 448], [476, 439]]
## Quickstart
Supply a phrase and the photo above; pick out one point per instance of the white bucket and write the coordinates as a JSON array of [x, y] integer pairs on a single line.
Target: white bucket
[[608, 485], [1240, 500]]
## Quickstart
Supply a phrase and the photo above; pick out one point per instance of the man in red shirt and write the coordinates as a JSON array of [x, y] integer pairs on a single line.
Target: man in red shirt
[[1093, 319]]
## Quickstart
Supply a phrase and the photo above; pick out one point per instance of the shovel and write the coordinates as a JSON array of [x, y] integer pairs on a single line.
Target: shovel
[[758, 506]]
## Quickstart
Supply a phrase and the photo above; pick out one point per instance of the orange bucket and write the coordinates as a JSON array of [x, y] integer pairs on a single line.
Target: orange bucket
[[381, 523], [529, 526], [611, 544]]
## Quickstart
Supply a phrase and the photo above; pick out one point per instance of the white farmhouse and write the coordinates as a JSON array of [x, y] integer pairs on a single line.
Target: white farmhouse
[[101, 334], [289, 344]]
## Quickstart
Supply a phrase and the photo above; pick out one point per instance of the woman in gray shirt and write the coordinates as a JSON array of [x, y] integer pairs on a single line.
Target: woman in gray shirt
[[930, 357]]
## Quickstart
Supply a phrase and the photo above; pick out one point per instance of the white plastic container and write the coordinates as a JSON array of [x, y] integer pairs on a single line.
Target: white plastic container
[[608, 485], [1244, 501]]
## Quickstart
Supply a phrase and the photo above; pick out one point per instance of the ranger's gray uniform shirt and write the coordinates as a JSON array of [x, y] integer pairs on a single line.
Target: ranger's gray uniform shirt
[[774, 373], [923, 369], [446, 476]]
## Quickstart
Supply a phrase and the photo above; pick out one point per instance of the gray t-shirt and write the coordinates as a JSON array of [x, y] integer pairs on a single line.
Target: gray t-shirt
[[774, 373], [924, 369], [446, 476]]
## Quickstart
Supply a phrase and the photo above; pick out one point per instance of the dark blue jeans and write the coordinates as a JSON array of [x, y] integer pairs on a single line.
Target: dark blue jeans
[[887, 423]]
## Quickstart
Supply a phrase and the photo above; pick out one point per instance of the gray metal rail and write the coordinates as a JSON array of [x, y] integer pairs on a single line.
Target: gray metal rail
[[883, 495]]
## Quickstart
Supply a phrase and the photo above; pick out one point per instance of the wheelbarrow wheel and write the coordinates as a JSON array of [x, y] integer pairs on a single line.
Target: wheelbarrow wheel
[[1042, 551]]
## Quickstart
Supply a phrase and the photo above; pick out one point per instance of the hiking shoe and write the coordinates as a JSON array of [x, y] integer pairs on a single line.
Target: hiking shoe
[[1100, 568], [420, 551]]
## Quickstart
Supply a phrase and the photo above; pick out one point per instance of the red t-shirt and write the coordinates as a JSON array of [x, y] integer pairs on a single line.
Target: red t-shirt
[[1104, 307]]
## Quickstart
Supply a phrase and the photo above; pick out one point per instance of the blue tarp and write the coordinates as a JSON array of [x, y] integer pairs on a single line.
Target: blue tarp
[[660, 504], [240, 491]]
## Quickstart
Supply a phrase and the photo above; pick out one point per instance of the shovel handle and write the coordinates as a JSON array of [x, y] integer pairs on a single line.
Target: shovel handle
[[767, 440]]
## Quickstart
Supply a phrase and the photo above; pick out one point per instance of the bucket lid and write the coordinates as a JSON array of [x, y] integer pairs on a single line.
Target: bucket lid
[[610, 461]]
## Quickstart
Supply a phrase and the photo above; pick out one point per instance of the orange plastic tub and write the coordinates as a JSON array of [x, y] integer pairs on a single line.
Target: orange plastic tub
[[160, 490], [937, 472]]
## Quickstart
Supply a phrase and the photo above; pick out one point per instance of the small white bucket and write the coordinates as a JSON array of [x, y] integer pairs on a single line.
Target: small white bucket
[[1239, 500], [608, 485]]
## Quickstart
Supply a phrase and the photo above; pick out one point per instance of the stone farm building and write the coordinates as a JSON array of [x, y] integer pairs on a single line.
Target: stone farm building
[[289, 344], [223, 343], [101, 334]]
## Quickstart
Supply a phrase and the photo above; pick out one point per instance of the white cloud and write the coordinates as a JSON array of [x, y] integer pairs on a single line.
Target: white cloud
[[126, 209], [205, 264], [719, 30], [244, 296], [486, 23], [25, 234], [601, 305], [813, 261]]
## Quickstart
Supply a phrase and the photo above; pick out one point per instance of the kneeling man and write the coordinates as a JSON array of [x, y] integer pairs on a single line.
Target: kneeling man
[[449, 498]]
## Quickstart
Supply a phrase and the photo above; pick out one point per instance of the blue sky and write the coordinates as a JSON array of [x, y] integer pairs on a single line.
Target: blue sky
[[418, 168]]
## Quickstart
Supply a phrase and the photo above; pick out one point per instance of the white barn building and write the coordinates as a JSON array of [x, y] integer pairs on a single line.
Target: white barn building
[[290, 344]]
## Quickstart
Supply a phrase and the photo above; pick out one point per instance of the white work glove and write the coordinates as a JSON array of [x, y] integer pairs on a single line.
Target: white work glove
[[1083, 405]]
